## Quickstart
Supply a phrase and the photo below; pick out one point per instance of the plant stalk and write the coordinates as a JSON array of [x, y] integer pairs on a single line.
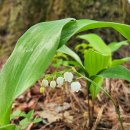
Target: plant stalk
[[107, 94]]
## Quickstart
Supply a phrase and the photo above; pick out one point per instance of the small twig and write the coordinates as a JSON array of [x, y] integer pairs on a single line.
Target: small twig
[[76, 99], [108, 85], [98, 117], [29, 127]]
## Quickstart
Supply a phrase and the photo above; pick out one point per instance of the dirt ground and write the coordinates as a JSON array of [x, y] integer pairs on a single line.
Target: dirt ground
[[61, 109]]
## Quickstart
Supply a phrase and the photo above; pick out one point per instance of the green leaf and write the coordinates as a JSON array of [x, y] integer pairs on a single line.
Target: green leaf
[[23, 114], [68, 51], [94, 90], [24, 123], [33, 53], [37, 120], [15, 114], [120, 61], [30, 115], [30, 58], [95, 62], [116, 72], [97, 43], [86, 24], [8, 127], [114, 46], [17, 128]]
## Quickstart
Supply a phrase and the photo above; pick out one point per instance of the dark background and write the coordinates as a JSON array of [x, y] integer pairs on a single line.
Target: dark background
[[16, 16]]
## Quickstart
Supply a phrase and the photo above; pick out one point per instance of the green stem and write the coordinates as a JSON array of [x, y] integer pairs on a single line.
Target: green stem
[[114, 103], [119, 117]]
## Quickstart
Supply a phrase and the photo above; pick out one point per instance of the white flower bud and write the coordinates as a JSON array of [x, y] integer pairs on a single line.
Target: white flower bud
[[75, 86], [60, 80], [68, 76], [45, 82], [53, 84], [42, 89]]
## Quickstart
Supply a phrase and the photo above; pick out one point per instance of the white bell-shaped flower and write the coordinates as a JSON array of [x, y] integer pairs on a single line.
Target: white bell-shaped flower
[[75, 86], [53, 84], [45, 82], [60, 80], [68, 76]]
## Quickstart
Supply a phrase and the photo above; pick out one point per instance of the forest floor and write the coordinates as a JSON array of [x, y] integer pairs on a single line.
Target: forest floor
[[60, 109]]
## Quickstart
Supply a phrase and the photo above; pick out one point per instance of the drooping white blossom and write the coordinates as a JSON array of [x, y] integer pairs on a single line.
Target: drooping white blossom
[[75, 86], [45, 83], [53, 84], [60, 80], [68, 76]]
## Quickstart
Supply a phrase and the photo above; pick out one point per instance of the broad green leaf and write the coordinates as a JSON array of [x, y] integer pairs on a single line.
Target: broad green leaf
[[116, 72], [94, 90], [8, 127], [94, 61], [97, 43], [114, 46], [68, 51], [33, 53], [86, 24], [30, 58], [120, 61]]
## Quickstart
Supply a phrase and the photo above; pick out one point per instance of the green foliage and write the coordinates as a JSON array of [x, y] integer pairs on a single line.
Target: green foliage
[[81, 47], [8, 127], [95, 90], [114, 46], [60, 59], [33, 53], [68, 51], [27, 118], [98, 59], [116, 72], [120, 61], [30, 58], [97, 43], [94, 62]]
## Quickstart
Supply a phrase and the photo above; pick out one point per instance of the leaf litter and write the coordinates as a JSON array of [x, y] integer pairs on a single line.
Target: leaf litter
[[63, 110]]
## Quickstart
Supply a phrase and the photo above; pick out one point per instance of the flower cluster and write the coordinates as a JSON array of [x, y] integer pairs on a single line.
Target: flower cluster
[[67, 77]]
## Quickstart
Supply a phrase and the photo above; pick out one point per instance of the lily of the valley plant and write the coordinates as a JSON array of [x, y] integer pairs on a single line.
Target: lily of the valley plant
[[60, 81], [33, 53]]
